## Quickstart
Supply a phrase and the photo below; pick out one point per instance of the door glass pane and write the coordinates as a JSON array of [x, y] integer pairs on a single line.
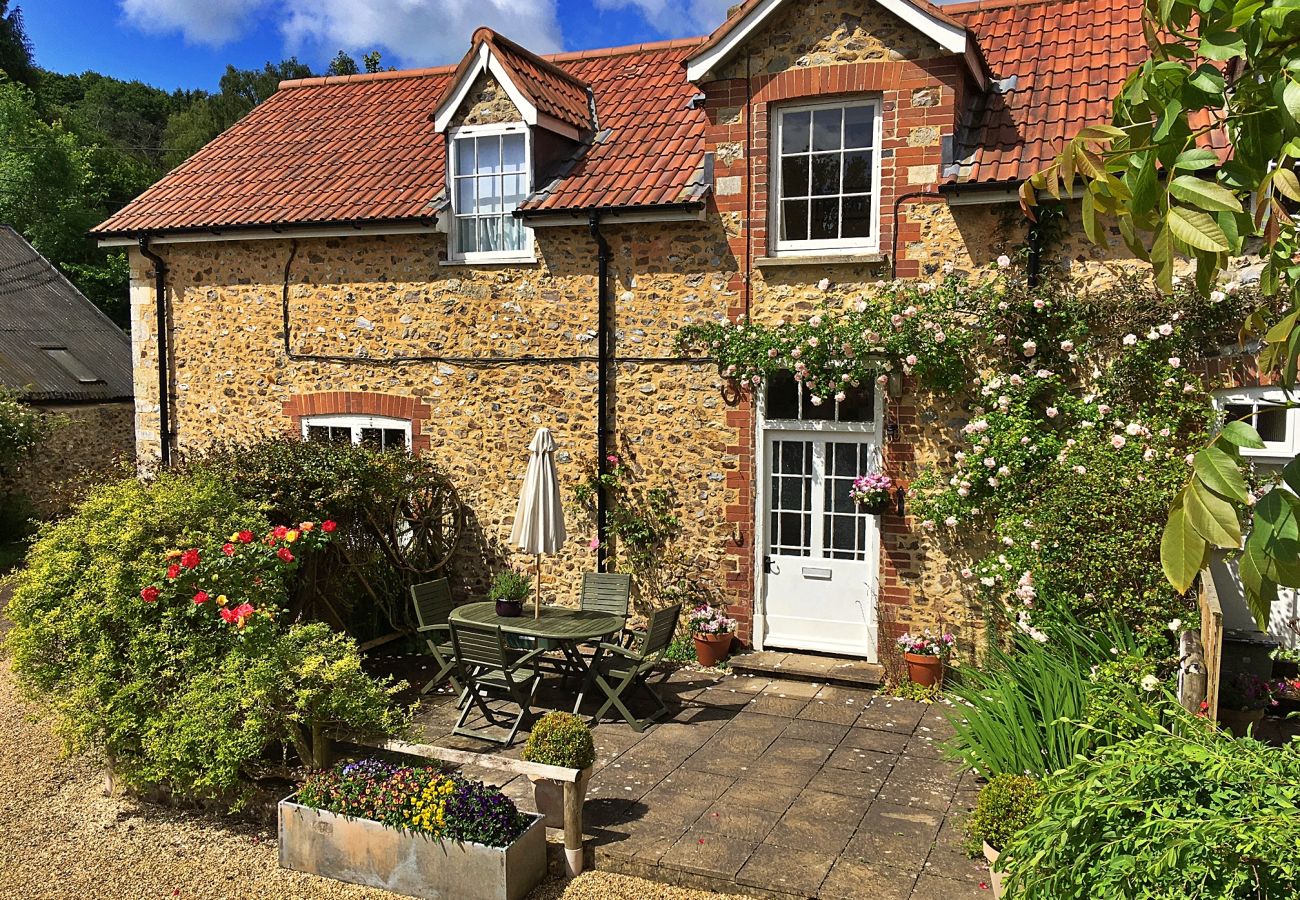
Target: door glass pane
[[794, 132], [826, 129], [782, 396], [791, 498], [844, 524], [859, 126]]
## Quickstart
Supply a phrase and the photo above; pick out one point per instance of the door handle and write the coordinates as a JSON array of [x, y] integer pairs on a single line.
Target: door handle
[[767, 565]]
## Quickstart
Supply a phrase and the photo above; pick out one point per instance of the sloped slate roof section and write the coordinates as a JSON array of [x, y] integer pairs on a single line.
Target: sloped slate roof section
[[1059, 64], [40, 312], [361, 149]]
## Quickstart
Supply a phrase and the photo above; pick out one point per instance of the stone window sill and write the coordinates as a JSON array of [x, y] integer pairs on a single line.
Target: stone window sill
[[825, 259], [491, 263]]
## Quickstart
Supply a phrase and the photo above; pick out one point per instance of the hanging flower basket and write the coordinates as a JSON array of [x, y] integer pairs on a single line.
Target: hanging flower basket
[[871, 492]]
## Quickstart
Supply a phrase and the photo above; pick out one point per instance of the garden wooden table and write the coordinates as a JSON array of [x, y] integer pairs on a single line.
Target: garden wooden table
[[565, 627]]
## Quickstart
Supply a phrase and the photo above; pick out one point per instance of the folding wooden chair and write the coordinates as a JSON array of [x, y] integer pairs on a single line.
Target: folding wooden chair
[[616, 670], [433, 606], [486, 663]]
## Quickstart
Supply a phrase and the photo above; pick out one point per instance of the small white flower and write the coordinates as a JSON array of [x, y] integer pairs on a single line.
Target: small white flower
[[1130, 340], [1175, 625], [1166, 329], [1052, 412], [1118, 441], [816, 401], [1030, 348], [951, 521], [1040, 304], [1175, 361], [1067, 346], [1004, 261], [966, 573], [911, 359], [1217, 296], [1150, 683]]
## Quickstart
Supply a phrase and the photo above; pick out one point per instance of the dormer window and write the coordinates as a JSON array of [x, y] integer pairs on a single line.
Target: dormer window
[[490, 176], [827, 183]]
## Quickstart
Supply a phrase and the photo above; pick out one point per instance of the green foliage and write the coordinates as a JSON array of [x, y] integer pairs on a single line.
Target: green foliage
[[15, 48], [561, 739], [641, 520], [22, 428], [172, 692], [921, 693], [1168, 814], [681, 650], [1005, 806], [1023, 711], [510, 586]]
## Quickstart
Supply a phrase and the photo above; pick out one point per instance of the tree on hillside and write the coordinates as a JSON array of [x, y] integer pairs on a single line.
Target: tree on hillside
[[1200, 161], [342, 64], [15, 48]]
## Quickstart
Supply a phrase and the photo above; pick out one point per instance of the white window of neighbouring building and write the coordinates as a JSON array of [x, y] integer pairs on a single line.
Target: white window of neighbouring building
[[1265, 410], [376, 432], [827, 177], [490, 177]]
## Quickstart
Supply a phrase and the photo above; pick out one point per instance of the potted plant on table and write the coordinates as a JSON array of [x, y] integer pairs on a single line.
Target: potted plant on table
[[872, 492], [926, 656], [1244, 699], [713, 632], [559, 739], [510, 590], [1005, 806]]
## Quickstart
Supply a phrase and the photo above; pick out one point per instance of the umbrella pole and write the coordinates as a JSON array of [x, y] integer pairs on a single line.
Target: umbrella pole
[[537, 607]]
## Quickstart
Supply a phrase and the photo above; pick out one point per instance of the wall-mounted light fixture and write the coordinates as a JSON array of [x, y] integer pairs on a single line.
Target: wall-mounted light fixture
[[895, 384]]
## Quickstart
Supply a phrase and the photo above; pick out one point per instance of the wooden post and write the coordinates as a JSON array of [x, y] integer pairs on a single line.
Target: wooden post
[[572, 829], [1191, 672]]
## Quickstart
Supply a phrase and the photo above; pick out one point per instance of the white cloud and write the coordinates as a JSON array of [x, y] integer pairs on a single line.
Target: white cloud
[[409, 32], [677, 18], [213, 22]]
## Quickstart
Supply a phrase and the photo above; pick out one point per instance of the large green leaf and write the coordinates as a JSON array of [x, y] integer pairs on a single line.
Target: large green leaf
[[1205, 194], [1212, 516], [1286, 183], [1196, 229], [1181, 550], [1219, 470], [1242, 435]]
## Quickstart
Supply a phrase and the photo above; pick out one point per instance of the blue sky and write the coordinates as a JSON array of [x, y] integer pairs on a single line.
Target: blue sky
[[187, 43]]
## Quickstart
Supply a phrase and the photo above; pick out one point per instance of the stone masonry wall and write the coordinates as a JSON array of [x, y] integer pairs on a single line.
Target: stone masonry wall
[[89, 441]]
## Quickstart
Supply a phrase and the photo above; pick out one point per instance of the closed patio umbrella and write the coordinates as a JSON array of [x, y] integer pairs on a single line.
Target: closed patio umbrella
[[539, 518]]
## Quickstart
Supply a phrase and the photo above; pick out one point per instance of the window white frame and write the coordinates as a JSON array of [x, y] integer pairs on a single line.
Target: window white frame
[[525, 253], [1258, 397], [869, 244], [356, 423]]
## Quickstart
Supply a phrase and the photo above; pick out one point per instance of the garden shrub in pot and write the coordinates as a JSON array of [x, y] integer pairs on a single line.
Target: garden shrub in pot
[[510, 590], [1005, 806], [559, 739], [713, 632]]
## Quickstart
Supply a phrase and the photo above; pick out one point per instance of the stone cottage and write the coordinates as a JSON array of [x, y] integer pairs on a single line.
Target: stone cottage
[[445, 259], [62, 356]]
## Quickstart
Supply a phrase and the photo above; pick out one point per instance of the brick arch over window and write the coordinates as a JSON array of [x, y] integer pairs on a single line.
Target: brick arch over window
[[362, 403]]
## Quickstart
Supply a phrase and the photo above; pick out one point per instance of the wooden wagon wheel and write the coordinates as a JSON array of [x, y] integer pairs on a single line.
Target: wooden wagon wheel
[[426, 525]]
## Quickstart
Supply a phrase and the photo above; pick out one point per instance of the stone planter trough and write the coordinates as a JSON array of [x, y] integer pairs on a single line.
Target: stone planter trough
[[995, 877], [361, 851]]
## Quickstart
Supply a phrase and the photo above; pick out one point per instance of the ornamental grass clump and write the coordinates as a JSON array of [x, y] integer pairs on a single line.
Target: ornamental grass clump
[[561, 739], [418, 799]]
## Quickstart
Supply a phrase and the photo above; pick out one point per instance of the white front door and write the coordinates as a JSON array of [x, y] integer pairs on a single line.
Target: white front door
[[821, 553]]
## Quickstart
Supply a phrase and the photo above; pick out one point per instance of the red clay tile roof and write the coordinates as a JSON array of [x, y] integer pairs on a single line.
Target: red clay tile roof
[[360, 149], [1060, 63], [551, 89]]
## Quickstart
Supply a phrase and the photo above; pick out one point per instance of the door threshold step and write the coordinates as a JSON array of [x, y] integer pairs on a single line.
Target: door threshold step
[[817, 667]]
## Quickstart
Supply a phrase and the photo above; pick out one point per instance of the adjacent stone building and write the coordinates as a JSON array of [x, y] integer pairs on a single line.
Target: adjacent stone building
[[62, 356], [446, 259]]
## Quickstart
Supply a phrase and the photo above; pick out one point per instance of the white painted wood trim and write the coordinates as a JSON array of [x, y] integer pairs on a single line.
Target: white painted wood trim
[[485, 61]]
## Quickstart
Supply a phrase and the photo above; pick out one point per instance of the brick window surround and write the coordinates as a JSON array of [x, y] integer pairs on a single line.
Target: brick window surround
[[362, 403]]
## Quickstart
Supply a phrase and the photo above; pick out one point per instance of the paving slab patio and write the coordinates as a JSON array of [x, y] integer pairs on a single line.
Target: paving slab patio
[[772, 788]]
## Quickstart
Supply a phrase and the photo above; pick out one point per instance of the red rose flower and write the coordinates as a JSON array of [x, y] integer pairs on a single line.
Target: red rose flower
[[173, 571], [328, 526], [285, 554], [280, 530], [190, 558], [200, 597], [237, 616], [150, 594], [228, 549], [245, 537]]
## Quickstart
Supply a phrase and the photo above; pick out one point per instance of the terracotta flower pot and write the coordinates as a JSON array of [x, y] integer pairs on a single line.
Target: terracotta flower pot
[[1240, 721], [995, 877], [711, 649], [509, 609], [924, 670]]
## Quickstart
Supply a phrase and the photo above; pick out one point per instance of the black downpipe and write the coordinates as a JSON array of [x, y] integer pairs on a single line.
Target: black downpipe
[[160, 303], [602, 388], [898, 205], [1034, 260]]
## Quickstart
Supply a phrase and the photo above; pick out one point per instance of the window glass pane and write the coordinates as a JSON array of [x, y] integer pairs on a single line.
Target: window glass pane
[[1239, 412], [465, 156], [859, 126], [394, 439], [516, 188], [489, 234], [512, 146], [858, 404], [1271, 424], [794, 220], [794, 176], [467, 235], [825, 221], [782, 396], [489, 194], [513, 233], [824, 412], [340, 434], [857, 172], [825, 173], [826, 129], [489, 155], [372, 438], [464, 195], [794, 132], [318, 433], [857, 217]]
